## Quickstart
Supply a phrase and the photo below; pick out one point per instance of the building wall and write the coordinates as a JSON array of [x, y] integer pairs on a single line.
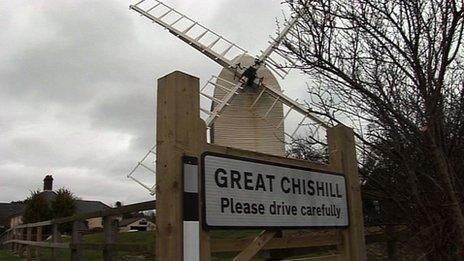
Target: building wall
[[98, 222], [95, 222], [244, 128], [150, 226], [15, 221]]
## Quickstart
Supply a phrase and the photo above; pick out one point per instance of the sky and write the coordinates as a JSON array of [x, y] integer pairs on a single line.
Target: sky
[[78, 87]]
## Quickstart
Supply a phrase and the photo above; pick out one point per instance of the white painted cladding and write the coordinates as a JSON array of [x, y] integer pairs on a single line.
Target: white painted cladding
[[335, 213], [244, 128]]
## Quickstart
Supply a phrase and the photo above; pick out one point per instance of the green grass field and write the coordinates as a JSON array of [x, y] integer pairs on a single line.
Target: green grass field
[[147, 238], [142, 238], [6, 256]]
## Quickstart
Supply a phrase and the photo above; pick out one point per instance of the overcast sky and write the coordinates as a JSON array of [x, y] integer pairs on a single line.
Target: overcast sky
[[78, 81]]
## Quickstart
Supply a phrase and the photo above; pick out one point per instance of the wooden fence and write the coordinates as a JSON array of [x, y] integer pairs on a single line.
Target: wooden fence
[[28, 237]]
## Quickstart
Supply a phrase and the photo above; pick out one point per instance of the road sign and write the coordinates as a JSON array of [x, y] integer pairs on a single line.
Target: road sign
[[244, 193]]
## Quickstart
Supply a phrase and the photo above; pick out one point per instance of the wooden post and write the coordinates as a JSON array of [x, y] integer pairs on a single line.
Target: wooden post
[[391, 243], [11, 237], [28, 247], [205, 242], [8, 238], [15, 236], [55, 239], [110, 227], [38, 239], [343, 159], [76, 240], [179, 132], [279, 254], [20, 246], [255, 246]]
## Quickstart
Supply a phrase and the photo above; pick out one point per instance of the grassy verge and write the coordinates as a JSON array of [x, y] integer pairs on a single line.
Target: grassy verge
[[6, 256], [147, 238]]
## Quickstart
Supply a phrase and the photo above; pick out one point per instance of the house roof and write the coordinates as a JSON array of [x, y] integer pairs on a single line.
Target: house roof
[[48, 195], [9, 209], [129, 221], [82, 206]]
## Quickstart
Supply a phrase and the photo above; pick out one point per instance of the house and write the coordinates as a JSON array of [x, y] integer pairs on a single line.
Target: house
[[7, 210], [82, 206], [136, 223]]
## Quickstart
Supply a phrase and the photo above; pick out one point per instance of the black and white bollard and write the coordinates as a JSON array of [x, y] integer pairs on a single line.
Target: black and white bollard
[[191, 222]]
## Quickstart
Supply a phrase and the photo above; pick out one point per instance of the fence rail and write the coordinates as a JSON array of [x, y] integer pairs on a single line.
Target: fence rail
[[19, 238]]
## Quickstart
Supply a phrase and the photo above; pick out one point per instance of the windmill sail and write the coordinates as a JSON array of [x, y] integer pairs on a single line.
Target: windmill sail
[[294, 105], [148, 167], [249, 117], [218, 48], [278, 40], [213, 45]]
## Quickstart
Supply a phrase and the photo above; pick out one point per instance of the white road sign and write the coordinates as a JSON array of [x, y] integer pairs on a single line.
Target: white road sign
[[241, 192]]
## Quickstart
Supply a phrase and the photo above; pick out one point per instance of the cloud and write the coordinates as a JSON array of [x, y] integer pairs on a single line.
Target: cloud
[[78, 83]]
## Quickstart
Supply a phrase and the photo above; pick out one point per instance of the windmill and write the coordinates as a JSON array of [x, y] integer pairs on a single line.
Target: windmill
[[247, 108]]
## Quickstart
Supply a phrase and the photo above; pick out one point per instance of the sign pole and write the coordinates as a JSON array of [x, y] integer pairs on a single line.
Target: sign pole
[[343, 159], [179, 132]]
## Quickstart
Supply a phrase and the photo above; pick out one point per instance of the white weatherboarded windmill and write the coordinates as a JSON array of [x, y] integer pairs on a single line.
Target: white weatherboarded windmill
[[245, 106]]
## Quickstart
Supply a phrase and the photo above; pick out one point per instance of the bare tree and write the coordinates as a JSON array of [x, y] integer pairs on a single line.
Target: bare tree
[[394, 71]]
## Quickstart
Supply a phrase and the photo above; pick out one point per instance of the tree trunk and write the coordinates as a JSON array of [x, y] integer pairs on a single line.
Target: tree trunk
[[445, 173]]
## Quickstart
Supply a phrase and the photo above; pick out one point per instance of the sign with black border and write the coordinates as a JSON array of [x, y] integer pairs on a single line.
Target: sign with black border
[[249, 193]]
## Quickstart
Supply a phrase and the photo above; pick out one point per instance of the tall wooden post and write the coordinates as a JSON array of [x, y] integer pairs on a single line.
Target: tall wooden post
[[19, 247], [391, 243], [179, 132], [38, 239], [28, 247], [343, 159], [55, 239], [9, 237], [110, 229], [13, 237], [76, 239]]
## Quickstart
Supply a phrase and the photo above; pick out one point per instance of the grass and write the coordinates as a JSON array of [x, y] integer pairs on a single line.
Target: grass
[[147, 238], [7, 256], [234, 234]]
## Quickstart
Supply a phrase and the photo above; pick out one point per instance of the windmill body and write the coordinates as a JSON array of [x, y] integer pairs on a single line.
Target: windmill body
[[241, 124]]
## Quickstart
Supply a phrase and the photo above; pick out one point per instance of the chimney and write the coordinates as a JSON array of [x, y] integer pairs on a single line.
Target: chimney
[[48, 182]]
